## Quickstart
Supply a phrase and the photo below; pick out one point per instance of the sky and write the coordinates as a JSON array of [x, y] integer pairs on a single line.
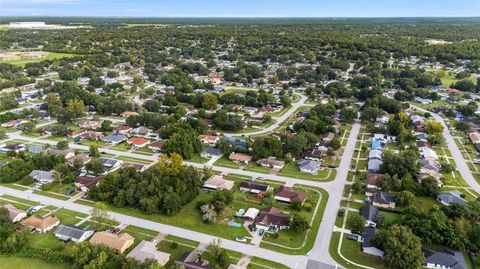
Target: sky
[[242, 8]]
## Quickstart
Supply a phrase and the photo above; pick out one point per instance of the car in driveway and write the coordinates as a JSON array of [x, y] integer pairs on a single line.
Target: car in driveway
[[356, 232], [252, 227], [261, 232], [352, 237]]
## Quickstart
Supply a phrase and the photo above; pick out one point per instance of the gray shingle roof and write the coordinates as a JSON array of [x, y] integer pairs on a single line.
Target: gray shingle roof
[[70, 231]]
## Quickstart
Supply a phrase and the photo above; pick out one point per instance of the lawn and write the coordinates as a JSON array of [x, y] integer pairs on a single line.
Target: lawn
[[69, 217], [46, 240], [20, 200], [135, 160], [196, 158], [140, 235], [52, 195], [225, 162], [351, 250], [258, 169], [17, 262], [176, 251], [50, 56], [449, 79], [259, 263], [291, 170], [424, 203]]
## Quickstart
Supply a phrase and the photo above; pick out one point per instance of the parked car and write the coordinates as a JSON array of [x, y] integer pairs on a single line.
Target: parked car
[[70, 191], [332, 166], [116, 230], [252, 227], [260, 178], [356, 232], [241, 239], [261, 232], [352, 237]]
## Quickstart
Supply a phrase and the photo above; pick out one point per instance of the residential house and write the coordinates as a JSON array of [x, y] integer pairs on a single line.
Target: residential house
[[474, 137], [428, 154], [92, 135], [156, 146], [82, 157], [148, 250], [376, 144], [67, 153], [76, 133], [42, 176], [367, 243], [271, 162], [373, 179], [240, 144], [72, 233], [192, 260], [251, 213], [127, 114], [210, 152], [375, 154], [35, 149], [369, 213], [288, 195], [114, 139], [41, 224], [423, 101], [383, 199], [423, 144], [87, 182], [117, 242], [17, 147], [384, 138], [327, 138], [209, 139], [308, 166], [446, 259], [451, 197], [316, 154], [137, 166], [110, 165], [272, 219], [240, 158], [253, 187], [14, 214], [89, 124], [217, 182], [122, 129], [374, 165], [138, 142]]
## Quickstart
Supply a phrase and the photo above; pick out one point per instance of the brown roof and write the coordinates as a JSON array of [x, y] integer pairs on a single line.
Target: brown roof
[[118, 242], [288, 192], [121, 128], [87, 181], [138, 141], [423, 144], [474, 137], [240, 157], [328, 136], [272, 216], [137, 166], [157, 144], [84, 158], [373, 178], [39, 222]]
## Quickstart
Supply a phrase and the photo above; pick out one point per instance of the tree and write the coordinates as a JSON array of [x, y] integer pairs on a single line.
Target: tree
[[75, 108], [54, 105], [95, 166], [356, 221], [405, 198], [433, 127], [226, 146], [401, 247], [62, 173], [99, 215], [296, 205], [348, 115], [62, 144], [219, 255], [298, 224], [430, 187], [106, 126], [209, 215], [94, 152], [335, 144], [210, 101]]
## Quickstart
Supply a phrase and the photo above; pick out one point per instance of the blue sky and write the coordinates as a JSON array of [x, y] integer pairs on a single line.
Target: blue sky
[[241, 8]]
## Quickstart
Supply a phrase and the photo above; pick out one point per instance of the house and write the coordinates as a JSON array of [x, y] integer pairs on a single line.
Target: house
[[93, 135], [251, 213], [474, 137], [271, 162], [148, 250], [89, 124], [86, 182], [114, 139], [429, 165], [240, 158], [156, 146], [82, 157], [67, 153], [375, 154], [377, 144], [210, 153], [35, 149], [41, 224], [423, 101], [137, 166], [372, 180], [327, 138], [316, 154], [288, 195], [374, 165], [117, 242], [423, 144], [42, 176], [15, 214], [127, 114], [217, 182], [369, 213], [367, 243], [383, 199], [428, 154], [76, 133], [72, 233], [253, 187], [138, 142], [240, 144], [384, 138], [308, 166], [17, 147], [122, 129], [451, 197], [192, 260], [272, 219], [446, 259], [110, 165], [209, 139]]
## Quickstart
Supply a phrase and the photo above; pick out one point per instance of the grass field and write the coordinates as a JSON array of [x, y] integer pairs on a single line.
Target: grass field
[[448, 80], [225, 162], [17, 262], [50, 56], [257, 168], [291, 170]]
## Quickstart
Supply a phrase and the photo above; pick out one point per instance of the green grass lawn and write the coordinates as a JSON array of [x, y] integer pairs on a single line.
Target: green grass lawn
[[196, 158], [121, 147], [225, 162], [449, 79], [17, 262], [135, 160], [47, 240], [52, 195], [20, 200], [68, 216], [175, 251], [259, 263], [257, 168], [181, 240], [50, 56], [351, 250], [424, 203]]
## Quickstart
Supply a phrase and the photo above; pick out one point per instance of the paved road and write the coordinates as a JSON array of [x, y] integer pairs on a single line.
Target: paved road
[[251, 250], [320, 250], [462, 166], [278, 120]]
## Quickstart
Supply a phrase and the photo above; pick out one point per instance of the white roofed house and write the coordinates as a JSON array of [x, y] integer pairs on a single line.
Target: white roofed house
[[15, 214], [217, 182], [272, 162], [42, 176], [110, 165]]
